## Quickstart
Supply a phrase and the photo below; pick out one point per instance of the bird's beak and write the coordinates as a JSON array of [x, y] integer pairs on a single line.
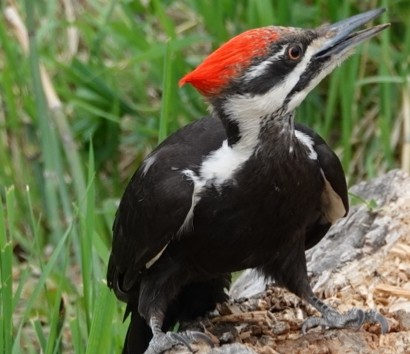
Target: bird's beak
[[340, 38]]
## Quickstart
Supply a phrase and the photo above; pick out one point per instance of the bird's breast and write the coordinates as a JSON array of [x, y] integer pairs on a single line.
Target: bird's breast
[[255, 213]]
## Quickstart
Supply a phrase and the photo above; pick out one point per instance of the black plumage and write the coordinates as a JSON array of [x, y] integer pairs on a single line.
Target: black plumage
[[229, 230], [243, 188]]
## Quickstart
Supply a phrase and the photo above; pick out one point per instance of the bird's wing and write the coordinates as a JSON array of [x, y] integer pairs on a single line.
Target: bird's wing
[[334, 201], [156, 202], [152, 210]]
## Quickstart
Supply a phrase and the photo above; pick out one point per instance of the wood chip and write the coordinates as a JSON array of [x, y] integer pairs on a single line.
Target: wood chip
[[393, 290]]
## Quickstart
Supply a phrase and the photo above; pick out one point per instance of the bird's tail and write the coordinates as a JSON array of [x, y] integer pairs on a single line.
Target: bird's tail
[[138, 336]]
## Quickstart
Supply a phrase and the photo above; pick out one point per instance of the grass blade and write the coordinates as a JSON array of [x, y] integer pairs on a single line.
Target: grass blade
[[100, 338], [166, 93], [6, 272]]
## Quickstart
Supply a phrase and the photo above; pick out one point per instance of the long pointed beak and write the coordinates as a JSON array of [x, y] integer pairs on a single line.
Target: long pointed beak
[[340, 35]]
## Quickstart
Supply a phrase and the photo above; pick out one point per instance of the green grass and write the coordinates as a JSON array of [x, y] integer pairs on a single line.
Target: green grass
[[67, 152]]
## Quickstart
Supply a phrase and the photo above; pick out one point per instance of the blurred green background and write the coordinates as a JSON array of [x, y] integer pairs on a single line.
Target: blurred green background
[[88, 88]]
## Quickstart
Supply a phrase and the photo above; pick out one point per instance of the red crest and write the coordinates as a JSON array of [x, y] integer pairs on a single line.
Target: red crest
[[229, 60]]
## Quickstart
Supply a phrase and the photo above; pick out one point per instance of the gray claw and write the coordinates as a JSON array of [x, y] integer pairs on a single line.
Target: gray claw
[[312, 322], [373, 316], [161, 342], [193, 336], [180, 339], [354, 318], [164, 341]]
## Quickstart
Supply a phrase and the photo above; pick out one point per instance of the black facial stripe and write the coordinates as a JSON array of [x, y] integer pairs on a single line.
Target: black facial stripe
[[231, 126], [279, 69], [273, 74], [232, 130], [311, 71]]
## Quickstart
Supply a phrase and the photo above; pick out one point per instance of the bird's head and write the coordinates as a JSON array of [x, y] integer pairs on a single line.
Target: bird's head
[[269, 71]]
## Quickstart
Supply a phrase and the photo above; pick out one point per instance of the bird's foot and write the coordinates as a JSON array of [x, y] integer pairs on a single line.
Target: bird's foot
[[164, 341], [354, 318]]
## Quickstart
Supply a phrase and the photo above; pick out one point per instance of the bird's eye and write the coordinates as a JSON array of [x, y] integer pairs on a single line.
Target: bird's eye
[[295, 52]]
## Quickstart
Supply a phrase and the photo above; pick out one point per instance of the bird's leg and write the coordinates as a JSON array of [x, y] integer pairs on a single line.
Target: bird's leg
[[163, 341], [156, 293], [354, 318]]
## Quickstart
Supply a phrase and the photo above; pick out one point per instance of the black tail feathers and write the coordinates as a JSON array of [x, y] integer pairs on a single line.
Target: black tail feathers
[[138, 336]]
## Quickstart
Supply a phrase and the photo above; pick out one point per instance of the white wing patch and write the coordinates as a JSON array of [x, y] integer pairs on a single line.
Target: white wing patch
[[198, 185], [148, 163], [332, 205], [308, 142], [153, 260]]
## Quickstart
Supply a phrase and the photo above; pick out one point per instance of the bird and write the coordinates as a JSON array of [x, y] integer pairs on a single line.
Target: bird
[[244, 187]]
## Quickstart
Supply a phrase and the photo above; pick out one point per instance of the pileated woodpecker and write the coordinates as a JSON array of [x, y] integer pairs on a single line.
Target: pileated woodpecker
[[245, 187]]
